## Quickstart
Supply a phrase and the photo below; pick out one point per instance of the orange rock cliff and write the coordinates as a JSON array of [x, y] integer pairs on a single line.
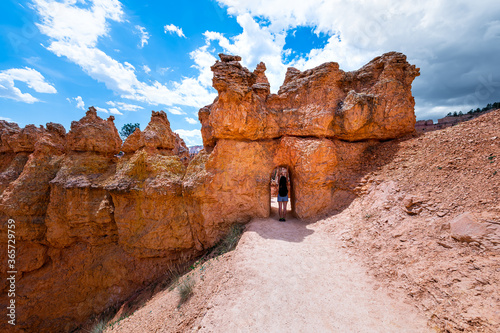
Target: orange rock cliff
[[92, 228]]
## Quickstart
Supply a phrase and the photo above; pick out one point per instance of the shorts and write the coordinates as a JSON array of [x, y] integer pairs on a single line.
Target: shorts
[[282, 199]]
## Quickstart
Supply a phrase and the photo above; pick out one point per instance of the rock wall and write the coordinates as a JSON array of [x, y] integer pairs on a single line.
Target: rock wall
[[93, 227], [318, 124]]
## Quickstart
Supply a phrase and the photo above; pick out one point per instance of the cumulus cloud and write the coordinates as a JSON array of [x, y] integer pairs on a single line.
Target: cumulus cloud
[[455, 43], [74, 30], [192, 121], [79, 102], [5, 118], [144, 35], [191, 137], [172, 29], [146, 69], [31, 77]]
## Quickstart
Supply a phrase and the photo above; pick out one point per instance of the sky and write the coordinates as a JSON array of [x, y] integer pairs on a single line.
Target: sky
[[129, 57]]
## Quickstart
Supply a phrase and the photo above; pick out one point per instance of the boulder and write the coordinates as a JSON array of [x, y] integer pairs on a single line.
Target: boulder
[[467, 228]]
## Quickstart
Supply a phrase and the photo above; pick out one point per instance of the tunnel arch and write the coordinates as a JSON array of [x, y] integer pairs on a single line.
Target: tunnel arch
[[273, 187]]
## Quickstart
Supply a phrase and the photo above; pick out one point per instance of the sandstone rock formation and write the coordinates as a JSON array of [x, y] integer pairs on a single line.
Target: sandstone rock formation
[[157, 136], [91, 228], [374, 102], [94, 134], [95, 227], [305, 127]]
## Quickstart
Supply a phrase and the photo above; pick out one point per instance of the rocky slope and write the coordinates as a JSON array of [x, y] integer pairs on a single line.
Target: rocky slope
[[427, 222], [93, 227]]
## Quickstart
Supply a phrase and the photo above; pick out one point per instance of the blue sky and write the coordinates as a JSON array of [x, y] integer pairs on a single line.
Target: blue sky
[[127, 58]]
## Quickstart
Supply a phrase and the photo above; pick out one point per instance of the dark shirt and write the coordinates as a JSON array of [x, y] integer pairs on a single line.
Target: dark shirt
[[283, 190]]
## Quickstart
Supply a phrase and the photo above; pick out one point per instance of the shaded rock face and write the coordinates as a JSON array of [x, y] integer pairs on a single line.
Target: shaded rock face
[[94, 226]]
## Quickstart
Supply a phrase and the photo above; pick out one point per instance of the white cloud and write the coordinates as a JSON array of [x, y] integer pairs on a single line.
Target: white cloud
[[125, 106], [176, 110], [5, 118], [74, 32], [203, 60], [79, 102], [255, 44], [146, 69], [115, 111], [426, 31], [31, 77], [191, 137], [67, 21], [172, 29], [101, 109], [192, 121], [144, 35]]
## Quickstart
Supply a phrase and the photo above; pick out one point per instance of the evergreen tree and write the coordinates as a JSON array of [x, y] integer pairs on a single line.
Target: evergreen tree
[[128, 129]]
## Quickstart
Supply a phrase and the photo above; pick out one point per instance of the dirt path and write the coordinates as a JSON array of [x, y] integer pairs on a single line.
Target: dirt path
[[282, 277], [289, 277]]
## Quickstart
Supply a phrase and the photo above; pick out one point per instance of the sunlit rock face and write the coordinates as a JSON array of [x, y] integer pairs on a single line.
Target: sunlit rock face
[[94, 225], [318, 124], [374, 102]]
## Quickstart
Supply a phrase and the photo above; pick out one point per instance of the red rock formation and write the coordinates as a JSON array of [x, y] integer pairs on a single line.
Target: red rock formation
[[157, 136], [300, 127], [7, 131], [91, 227], [374, 102], [92, 133], [95, 227]]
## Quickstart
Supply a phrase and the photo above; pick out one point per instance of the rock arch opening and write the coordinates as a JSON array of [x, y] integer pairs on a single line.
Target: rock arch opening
[[273, 191]]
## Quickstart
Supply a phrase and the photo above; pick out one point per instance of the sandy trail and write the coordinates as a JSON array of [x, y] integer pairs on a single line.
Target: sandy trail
[[293, 277]]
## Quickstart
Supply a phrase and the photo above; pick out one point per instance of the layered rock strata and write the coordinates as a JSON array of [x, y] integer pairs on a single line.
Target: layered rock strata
[[93, 227]]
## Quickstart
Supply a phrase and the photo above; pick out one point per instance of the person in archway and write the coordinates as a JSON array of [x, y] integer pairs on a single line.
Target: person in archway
[[282, 194]]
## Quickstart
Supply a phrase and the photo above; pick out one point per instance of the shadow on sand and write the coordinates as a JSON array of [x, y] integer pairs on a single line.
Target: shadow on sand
[[293, 230]]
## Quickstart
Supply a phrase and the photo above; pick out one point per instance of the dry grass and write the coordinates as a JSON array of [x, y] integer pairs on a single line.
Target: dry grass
[[185, 290]]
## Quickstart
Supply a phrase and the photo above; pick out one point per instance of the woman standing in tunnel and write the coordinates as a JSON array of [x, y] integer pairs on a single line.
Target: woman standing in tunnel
[[282, 194]]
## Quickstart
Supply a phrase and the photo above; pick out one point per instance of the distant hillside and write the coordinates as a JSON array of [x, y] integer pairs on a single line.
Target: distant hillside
[[193, 150], [450, 120]]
